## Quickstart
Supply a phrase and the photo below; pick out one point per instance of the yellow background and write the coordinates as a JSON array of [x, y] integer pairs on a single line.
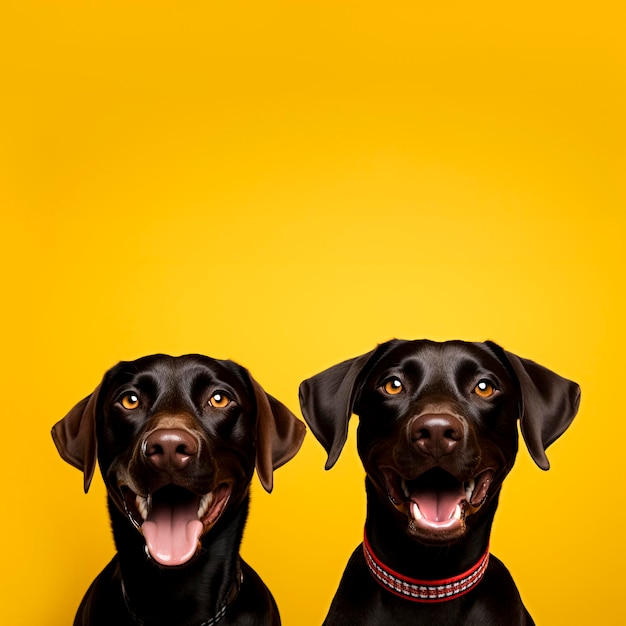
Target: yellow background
[[287, 184]]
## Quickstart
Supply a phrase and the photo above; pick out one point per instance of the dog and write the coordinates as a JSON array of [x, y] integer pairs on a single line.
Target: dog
[[437, 436], [177, 440]]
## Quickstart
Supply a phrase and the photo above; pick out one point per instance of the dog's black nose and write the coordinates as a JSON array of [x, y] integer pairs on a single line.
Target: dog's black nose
[[436, 434], [170, 449]]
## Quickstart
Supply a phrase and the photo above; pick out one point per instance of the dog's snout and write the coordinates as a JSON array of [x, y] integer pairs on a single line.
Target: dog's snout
[[170, 449], [436, 434]]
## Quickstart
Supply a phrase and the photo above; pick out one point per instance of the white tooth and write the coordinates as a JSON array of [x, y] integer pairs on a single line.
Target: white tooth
[[405, 489], [415, 511], [469, 489], [457, 512], [143, 506], [205, 502]]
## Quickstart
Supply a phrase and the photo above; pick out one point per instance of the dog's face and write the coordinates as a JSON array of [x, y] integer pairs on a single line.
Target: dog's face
[[437, 433], [191, 428], [177, 441], [438, 425]]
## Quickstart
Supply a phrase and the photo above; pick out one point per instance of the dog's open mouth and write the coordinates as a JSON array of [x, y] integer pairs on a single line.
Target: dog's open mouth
[[172, 519], [436, 503]]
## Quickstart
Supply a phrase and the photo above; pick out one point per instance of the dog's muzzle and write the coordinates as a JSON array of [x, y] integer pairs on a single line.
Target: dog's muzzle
[[165, 500]]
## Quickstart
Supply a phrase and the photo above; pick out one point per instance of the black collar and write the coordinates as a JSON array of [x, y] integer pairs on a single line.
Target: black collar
[[221, 611]]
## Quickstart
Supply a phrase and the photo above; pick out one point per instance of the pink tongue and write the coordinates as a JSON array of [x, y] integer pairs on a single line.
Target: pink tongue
[[172, 532], [438, 506]]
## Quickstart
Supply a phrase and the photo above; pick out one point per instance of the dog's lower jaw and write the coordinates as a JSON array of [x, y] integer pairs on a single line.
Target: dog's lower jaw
[[437, 533]]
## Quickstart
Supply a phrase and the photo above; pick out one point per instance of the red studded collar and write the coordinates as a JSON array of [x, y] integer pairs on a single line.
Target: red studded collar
[[424, 590]]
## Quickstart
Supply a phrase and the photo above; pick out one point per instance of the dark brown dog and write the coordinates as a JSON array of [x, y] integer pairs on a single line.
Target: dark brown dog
[[437, 436], [177, 440]]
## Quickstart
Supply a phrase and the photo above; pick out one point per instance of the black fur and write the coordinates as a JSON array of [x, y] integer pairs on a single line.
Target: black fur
[[215, 450], [424, 428]]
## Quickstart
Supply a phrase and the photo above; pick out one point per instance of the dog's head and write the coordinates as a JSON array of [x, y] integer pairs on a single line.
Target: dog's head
[[438, 425], [177, 440]]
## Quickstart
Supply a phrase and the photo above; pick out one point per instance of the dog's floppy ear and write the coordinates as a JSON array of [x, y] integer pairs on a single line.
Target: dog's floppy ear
[[279, 435], [75, 437], [327, 400], [549, 403]]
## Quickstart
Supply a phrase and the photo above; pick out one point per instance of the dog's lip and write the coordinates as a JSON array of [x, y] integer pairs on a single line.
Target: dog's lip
[[196, 514], [435, 500]]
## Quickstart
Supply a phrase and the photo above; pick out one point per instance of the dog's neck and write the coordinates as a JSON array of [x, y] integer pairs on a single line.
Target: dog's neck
[[386, 530], [159, 595], [421, 590]]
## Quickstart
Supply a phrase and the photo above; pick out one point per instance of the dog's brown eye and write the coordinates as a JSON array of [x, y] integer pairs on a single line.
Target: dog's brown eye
[[484, 389], [393, 386], [130, 401], [219, 400]]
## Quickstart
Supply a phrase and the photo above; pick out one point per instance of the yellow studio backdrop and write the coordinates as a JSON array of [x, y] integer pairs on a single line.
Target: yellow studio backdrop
[[287, 184]]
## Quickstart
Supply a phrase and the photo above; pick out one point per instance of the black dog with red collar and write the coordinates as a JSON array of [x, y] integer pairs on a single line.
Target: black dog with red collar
[[437, 436]]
